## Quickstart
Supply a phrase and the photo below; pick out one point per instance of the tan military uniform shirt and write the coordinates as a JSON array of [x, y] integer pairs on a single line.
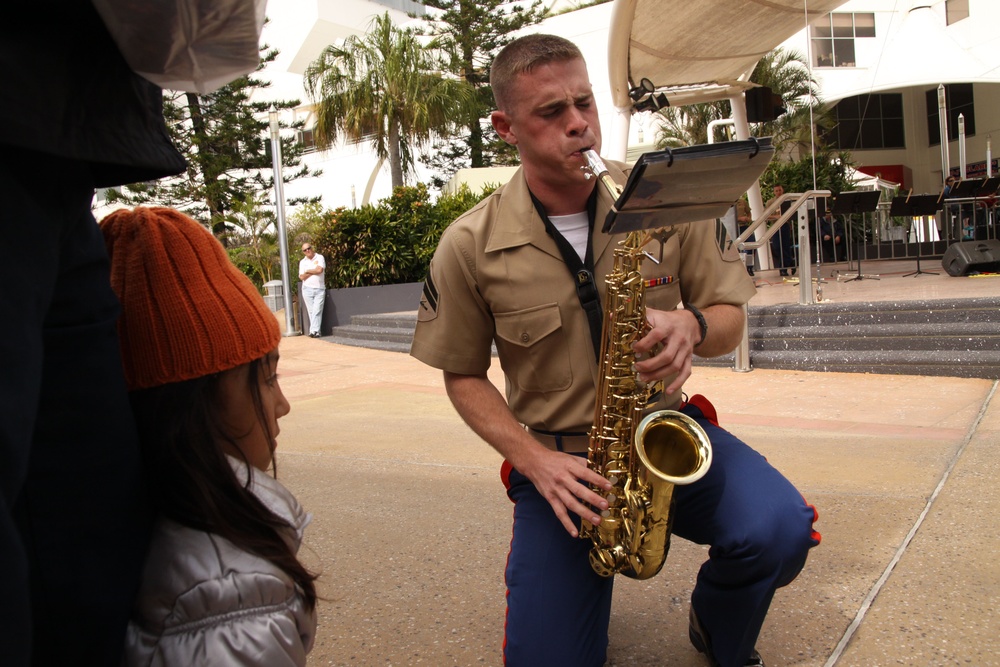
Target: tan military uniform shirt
[[497, 276]]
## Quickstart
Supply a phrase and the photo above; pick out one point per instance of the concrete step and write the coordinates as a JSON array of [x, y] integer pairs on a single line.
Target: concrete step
[[957, 338], [879, 312], [954, 336], [386, 331], [974, 364]]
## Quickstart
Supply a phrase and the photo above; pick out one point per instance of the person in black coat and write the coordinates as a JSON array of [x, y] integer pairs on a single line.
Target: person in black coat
[[73, 520], [782, 243], [831, 232]]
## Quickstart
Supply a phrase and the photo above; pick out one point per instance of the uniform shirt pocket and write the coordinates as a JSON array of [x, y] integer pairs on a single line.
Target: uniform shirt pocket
[[665, 296], [533, 349]]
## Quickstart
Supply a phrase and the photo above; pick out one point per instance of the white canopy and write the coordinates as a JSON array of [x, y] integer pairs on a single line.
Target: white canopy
[[699, 50]]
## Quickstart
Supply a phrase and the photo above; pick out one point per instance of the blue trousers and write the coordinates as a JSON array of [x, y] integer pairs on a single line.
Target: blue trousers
[[73, 518], [758, 528], [783, 249], [315, 298]]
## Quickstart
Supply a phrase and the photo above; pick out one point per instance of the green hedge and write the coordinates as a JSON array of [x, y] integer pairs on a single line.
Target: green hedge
[[390, 242]]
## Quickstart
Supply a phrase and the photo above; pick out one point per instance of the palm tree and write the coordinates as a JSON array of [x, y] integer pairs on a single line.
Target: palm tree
[[688, 125], [386, 88], [251, 239], [786, 74]]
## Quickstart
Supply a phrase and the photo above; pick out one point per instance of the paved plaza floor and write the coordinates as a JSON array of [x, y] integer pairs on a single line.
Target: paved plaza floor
[[411, 525]]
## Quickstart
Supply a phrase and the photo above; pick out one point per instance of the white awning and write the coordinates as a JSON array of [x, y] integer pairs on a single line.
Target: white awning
[[699, 50]]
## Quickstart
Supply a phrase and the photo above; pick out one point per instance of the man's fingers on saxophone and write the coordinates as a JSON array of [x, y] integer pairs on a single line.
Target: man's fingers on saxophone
[[682, 375]]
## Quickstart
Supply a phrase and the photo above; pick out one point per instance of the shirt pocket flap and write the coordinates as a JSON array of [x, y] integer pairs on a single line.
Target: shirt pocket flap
[[527, 327]]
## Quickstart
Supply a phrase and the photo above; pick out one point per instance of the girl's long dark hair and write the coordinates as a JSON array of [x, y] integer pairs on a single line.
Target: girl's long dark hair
[[191, 481]]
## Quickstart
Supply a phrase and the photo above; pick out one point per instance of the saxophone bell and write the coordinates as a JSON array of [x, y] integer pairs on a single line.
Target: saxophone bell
[[673, 447]]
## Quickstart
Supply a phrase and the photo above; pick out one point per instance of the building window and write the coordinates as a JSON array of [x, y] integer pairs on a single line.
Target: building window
[[869, 121], [956, 10], [958, 100], [833, 38], [307, 140]]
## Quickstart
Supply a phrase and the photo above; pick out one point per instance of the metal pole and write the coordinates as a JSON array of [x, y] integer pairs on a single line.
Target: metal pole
[[741, 355], [716, 123], [279, 202], [805, 265], [961, 145], [943, 129], [989, 158]]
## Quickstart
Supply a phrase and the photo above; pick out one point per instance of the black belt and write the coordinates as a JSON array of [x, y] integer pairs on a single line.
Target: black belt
[[565, 441]]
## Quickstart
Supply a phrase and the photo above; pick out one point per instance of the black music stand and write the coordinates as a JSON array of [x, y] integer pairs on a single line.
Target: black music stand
[[988, 191], [688, 184], [989, 187], [966, 189], [916, 207], [856, 201]]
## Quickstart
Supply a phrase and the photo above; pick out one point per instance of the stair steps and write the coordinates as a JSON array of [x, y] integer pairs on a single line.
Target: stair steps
[[957, 338]]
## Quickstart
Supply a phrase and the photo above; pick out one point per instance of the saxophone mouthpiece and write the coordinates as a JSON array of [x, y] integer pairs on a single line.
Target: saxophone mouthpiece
[[595, 165]]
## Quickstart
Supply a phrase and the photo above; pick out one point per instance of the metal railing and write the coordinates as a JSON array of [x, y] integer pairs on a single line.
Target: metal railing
[[797, 211]]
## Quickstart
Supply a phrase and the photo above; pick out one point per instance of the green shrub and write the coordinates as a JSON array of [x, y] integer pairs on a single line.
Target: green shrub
[[390, 242]]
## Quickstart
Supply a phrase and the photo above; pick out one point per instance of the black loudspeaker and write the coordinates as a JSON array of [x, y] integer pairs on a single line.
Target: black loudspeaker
[[763, 105], [967, 257]]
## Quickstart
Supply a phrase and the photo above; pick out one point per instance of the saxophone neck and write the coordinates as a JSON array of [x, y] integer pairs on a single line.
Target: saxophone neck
[[596, 167]]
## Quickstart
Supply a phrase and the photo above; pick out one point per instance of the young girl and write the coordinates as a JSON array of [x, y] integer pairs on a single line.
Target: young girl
[[222, 584]]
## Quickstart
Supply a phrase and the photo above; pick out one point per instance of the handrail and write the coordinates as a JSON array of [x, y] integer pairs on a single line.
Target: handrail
[[799, 199], [741, 360]]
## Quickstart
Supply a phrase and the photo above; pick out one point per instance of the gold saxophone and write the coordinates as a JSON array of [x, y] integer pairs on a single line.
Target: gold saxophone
[[642, 456]]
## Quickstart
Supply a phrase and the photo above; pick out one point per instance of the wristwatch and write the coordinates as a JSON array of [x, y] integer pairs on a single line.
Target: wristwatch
[[702, 324]]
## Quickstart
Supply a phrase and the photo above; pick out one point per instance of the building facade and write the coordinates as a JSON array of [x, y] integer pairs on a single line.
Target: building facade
[[879, 64]]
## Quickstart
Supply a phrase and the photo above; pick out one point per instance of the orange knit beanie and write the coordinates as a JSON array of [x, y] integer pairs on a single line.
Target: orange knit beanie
[[186, 310]]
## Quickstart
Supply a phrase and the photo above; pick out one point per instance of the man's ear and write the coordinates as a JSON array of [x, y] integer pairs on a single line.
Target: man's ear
[[501, 123]]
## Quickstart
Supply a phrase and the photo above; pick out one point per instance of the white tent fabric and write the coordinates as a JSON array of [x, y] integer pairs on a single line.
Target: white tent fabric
[[699, 50], [927, 52]]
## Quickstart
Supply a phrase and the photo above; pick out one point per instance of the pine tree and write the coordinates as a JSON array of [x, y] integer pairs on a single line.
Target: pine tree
[[470, 33], [224, 137]]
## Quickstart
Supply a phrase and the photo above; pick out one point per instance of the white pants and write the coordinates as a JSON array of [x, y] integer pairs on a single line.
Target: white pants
[[315, 297]]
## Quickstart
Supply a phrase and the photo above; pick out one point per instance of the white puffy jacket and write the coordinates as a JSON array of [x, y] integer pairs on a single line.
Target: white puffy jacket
[[203, 601]]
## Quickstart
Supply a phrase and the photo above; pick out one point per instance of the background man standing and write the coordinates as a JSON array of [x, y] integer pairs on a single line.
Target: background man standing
[[501, 275], [311, 268], [782, 244]]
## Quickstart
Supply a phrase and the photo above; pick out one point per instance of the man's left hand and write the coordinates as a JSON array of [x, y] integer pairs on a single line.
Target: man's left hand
[[677, 332]]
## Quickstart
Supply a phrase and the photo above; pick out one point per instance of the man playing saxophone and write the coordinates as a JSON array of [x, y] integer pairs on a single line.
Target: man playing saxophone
[[521, 271]]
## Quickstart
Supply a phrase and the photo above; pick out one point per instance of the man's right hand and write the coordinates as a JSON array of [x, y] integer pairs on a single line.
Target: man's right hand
[[561, 478], [564, 481]]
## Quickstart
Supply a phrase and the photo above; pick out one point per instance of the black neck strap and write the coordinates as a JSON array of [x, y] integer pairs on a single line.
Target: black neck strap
[[582, 271]]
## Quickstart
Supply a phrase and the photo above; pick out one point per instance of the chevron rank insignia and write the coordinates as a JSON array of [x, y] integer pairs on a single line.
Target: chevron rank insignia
[[727, 248], [428, 300]]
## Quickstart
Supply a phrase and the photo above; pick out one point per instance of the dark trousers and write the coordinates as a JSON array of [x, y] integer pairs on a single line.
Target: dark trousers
[[783, 249], [73, 519], [757, 525]]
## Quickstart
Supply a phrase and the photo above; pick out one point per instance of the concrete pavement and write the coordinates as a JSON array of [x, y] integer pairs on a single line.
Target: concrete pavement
[[411, 524]]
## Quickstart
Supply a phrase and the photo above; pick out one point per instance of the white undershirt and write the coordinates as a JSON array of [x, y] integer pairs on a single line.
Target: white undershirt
[[573, 227]]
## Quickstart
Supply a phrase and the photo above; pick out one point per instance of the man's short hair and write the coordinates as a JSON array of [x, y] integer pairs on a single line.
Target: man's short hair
[[523, 55]]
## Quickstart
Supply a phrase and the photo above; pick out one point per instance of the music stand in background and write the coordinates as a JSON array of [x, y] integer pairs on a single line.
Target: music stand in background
[[966, 189], [856, 201], [988, 191], [989, 187], [916, 206]]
